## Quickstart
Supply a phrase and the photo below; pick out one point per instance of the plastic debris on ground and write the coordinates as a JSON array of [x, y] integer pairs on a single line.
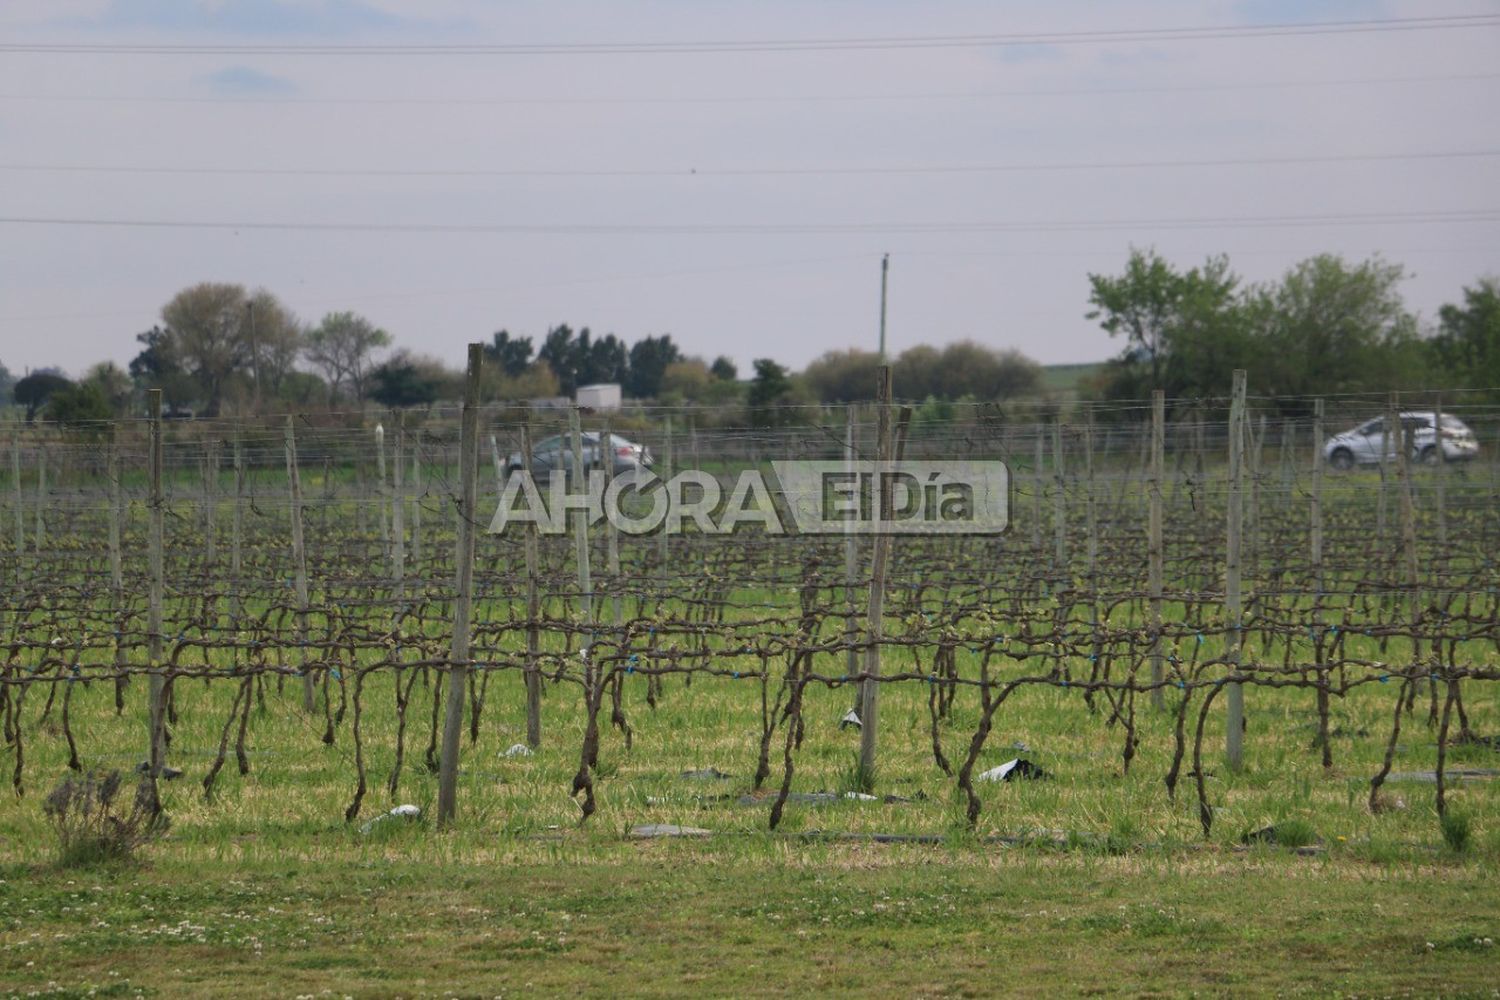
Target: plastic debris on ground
[[851, 718], [404, 811], [1012, 770], [518, 750]]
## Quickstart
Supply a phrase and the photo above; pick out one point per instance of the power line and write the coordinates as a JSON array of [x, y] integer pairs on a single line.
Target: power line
[[1088, 37], [1433, 216], [293, 101], [688, 172]]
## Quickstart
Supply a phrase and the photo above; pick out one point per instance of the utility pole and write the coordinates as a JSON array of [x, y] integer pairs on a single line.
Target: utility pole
[[885, 270]]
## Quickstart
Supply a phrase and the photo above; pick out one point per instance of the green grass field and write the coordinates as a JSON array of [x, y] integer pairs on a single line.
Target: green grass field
[[266, 891]]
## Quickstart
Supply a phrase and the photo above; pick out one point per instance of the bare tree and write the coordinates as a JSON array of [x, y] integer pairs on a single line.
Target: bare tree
[[341, 346]]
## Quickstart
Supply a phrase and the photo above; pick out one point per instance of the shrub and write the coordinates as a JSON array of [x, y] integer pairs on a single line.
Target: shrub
[[92, 823]]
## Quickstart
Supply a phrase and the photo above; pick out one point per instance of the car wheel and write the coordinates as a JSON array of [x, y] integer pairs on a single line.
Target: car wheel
[[1342, 459], [1429, 455]]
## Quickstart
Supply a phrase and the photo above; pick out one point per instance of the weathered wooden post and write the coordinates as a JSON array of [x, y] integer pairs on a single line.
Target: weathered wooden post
[[416, 503], [533, 612], [1440, 476], [41, 501], [580, 520], [869, 715], [20, 501], [116, 568], [1235, 721], [380, 498], [398, 507], [1059, 504], [1315, 561], [1038, 487], [851, 561], [1155, 554], [458, 656], [236, 525], [158, 685], [299, 556], [666, 474]]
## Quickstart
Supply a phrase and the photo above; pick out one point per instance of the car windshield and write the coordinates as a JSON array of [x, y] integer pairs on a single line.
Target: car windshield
[[1454, 424]]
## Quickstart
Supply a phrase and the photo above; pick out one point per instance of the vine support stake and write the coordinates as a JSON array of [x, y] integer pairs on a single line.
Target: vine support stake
[[533, 611], [458, 656], [1234, 734], [158, 755], [299, 557], [880, 550], [1154, 543]]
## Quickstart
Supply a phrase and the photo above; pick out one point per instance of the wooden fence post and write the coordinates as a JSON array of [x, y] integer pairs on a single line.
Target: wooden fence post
[[416, 500], [380, 498], [41, 501], [851, 563], [581, 520], [666, 474], [1440, 475], [157, 695], [20, 498], [398, 507], [299, 556], [533, 611], [116, 568], [1235, 721], [1038, 487], [458, 656], [1059, 504], [1154, 542], [869, 716]]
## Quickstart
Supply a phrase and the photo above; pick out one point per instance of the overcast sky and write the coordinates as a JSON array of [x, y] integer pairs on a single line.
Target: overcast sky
[[738, 197]]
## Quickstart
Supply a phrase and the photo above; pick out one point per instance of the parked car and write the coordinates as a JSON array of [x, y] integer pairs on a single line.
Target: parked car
[[555, 454], [1369, 442]]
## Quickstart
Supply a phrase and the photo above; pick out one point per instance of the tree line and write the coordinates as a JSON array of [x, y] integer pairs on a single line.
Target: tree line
[[1325, 327]]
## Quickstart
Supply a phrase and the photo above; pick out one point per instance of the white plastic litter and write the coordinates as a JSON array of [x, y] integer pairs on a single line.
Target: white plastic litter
[[518, 750], [405, 811], [860, 797], [851, 718], [999, 773]]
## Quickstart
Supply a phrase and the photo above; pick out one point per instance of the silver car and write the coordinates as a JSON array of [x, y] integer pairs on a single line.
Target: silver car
[[555, 454], [1369, 442]]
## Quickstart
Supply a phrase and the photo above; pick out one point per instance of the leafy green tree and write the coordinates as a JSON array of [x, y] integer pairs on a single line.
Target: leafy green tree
[[82, 409], [649, 359], [770, 388], [220, 334], [512, 354], [843, 376], [1467, 345], [560, 352], [156, 367], [341, 346], [963, 370], [723, 369], [1329, 327], [113, 384], [405, 381], [1162, 312], [35, 389]]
